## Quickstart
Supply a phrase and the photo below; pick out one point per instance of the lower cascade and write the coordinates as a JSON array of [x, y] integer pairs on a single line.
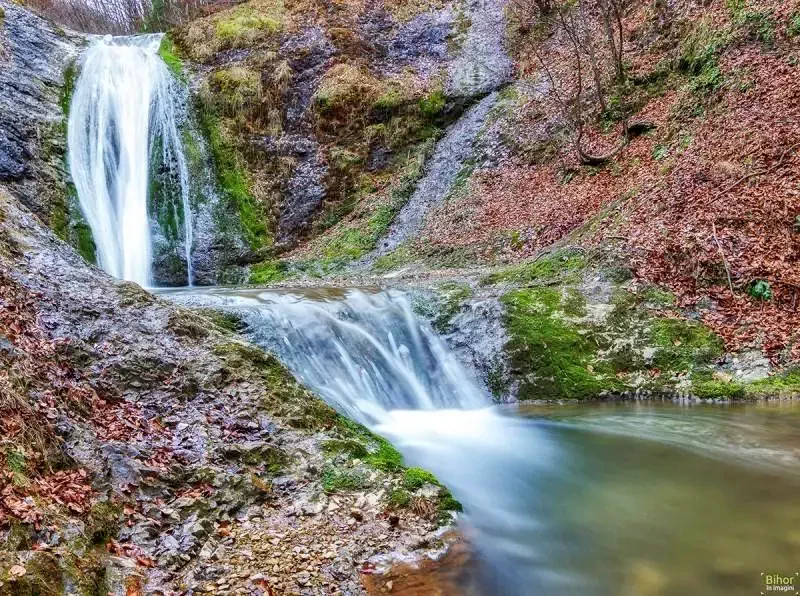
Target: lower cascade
[[123, 120], [553, 500]]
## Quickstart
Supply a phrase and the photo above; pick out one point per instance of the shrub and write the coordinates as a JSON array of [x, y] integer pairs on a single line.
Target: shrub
[[760, 289]]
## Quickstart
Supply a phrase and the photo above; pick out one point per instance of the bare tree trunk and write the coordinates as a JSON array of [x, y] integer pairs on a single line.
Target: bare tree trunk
[[597, 77]]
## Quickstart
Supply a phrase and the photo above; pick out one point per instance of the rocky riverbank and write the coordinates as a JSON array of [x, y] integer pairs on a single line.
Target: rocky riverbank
[[171, 455]]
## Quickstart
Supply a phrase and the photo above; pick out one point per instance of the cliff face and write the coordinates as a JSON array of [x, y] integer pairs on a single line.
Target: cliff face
[[36, 74], [321, 116]]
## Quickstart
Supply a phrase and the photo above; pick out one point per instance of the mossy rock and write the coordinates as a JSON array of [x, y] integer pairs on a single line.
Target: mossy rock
[[706, 386], [271, 458], [188, 324], [42, 575], [227, 322], [551, 354], [338, 479], [416, 478], [132, 294], [683, 345], [104, 522], [563, 265]]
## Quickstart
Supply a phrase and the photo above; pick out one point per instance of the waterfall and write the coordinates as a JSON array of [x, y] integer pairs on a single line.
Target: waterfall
[[364, 353], [122, 111], [368, 355]]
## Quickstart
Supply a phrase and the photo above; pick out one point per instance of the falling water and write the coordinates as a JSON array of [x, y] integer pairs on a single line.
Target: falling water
[[122, 111]]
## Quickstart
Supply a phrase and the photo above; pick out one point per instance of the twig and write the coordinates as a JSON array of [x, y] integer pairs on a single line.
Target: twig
[[756, 173], [722, 254]]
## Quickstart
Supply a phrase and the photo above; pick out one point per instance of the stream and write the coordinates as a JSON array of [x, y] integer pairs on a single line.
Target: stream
[[623, 498]]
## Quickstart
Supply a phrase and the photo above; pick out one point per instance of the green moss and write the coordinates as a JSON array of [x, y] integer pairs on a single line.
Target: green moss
[[415, 478], [390, 101], [786, 382], [104, 522], [351, 447], [447, 502], [169, 55], [432, 105], [68, 88], [399, 257], [245, 26], [42, 578], [85, 568], [573, 303], [239, 354], [18, 537], [705, 386], [337, 479], [564, 265], [226, 321], [682, 344], [657, 297], [551, 355], [84, 242], [67, 221], [132, 294], [270, 458], [267, 272], [235, 183], [399, 497], [381, 454]]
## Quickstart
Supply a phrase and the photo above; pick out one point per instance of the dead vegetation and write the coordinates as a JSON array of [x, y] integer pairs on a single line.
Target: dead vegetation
[[123, 16], [705, 203]]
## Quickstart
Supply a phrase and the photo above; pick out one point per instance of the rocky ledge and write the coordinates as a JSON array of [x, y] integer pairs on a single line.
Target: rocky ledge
[[148, 448]]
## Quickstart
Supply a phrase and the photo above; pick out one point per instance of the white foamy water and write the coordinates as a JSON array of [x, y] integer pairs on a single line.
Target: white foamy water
[[122, 111]]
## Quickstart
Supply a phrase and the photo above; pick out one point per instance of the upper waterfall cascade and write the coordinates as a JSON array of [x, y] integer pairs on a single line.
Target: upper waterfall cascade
[[123, 112]]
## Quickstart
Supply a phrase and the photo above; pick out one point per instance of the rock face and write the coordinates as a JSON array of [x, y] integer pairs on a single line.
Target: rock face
[[34, 56], [441, 171], [482, 65], [350, 94]]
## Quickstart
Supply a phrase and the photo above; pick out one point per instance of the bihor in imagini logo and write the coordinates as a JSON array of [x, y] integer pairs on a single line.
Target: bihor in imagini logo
[[779, 582]]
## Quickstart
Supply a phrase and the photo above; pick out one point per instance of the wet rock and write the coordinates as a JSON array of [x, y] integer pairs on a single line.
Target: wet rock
[[482, 64], [123, 576], [33, 143], [478, 338], [424, 36]]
